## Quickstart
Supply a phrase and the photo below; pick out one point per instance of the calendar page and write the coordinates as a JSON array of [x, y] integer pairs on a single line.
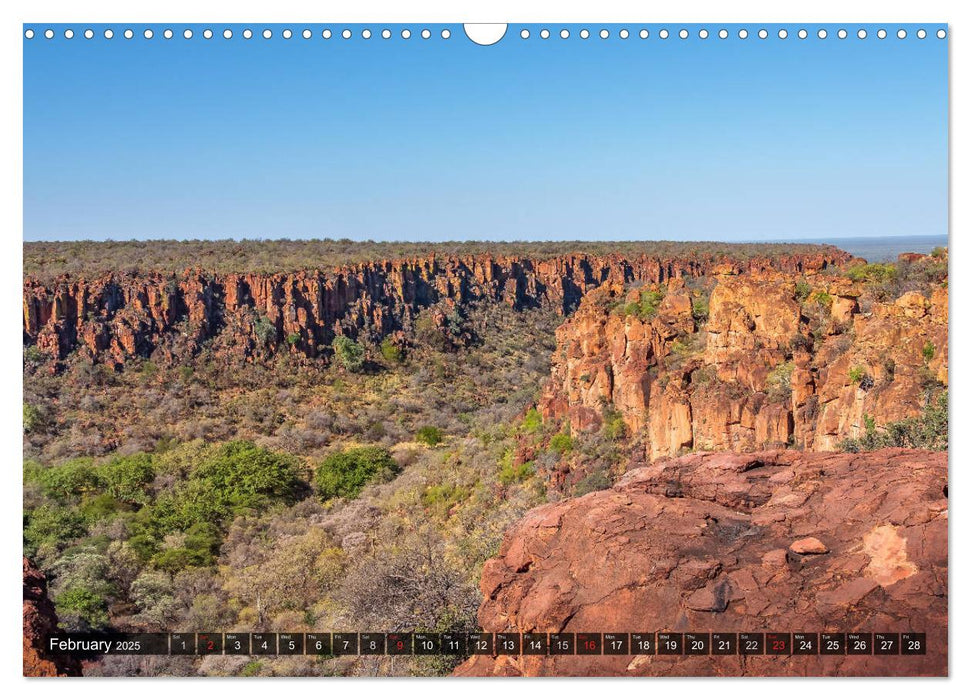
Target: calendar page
[[444, 350]]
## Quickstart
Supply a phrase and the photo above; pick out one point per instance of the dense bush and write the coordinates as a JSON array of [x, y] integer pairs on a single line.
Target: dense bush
[[929, 431], [344, 474], [429, 435], [349, 353]]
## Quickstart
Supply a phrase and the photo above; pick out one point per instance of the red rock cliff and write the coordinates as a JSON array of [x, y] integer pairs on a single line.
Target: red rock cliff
[[40, 622], [777, 541], [767, 369], [117, 317]]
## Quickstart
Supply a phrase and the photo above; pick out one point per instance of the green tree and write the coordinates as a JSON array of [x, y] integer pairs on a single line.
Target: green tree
[[429, 435], [127, 478], [391, 352], [348, 353], [344, 474]]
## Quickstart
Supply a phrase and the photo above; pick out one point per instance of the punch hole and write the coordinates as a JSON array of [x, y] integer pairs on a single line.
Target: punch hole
[[187, 34], [29, 34], [624, 33], [663, 33], [702, 33], [486, 34], [68, 33], [683, 34], [644, 33]]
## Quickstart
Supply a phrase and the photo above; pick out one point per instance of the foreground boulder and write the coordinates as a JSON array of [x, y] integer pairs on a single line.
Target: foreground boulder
[[777, 541], [40, 622]]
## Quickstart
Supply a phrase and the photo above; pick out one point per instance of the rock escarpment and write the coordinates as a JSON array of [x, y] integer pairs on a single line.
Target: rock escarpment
[[40, 622], [768, 360], [117, 317], [777, 541]]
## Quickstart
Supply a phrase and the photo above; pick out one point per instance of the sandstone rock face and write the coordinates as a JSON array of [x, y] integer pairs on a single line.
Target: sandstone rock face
[[40, 622], [117, 317], [703, 543], [751, 377]]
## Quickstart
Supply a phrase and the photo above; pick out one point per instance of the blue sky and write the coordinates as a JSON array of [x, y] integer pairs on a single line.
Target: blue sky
[[445, 140]]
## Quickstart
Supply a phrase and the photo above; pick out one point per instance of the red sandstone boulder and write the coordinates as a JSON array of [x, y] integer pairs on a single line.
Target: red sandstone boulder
[[705, 543]]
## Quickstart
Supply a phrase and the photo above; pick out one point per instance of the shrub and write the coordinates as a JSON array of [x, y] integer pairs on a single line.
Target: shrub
[[344, 474], [595, 481], [856, 374], [939, 252], [561, 443], [928, 431], [51, 526], [803, 290], [349, 353], [85, 604], [71, 480], [532, 422], [647, 305], [126, 478], [510, 473], [441, 498], [293, 338], [33, 418], [236, 478], [265, 330], [876, 272], [391, 352], [779, 382], [429, 435], [824, 299], [928, 351], [699, 310], [614, 426]]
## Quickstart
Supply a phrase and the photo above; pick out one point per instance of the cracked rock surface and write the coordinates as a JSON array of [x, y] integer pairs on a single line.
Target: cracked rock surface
[[778, 541]]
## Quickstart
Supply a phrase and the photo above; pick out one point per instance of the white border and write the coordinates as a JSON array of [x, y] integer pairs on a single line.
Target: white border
[[602, 11]]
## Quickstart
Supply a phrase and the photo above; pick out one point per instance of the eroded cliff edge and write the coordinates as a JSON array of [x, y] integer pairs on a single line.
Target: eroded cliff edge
[[721, 542], [756, 359], [119, 316]]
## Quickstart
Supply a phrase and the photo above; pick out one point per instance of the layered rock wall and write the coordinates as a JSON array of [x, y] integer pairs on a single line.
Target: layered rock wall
[[117, 317], [765, 369]]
